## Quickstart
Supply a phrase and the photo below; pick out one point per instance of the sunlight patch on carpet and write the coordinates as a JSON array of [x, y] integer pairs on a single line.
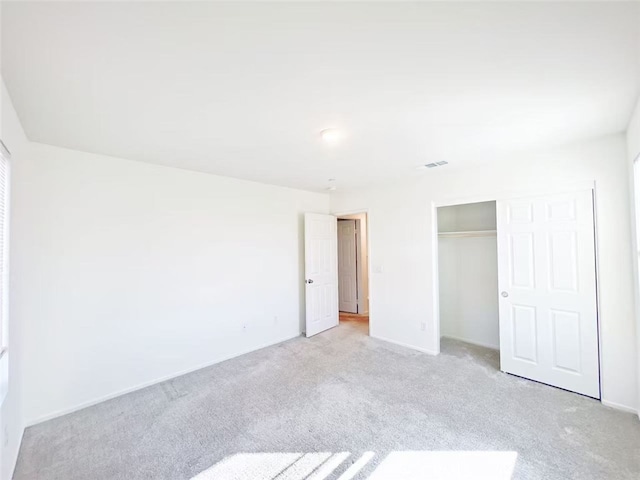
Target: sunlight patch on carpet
[[407, 465]]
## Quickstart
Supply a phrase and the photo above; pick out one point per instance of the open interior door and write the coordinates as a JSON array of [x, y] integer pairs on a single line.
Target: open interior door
[[321, 272], [347, 267], [547, 283]]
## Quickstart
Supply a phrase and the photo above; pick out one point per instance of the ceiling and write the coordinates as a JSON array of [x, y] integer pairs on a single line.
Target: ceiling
[[243, 90]]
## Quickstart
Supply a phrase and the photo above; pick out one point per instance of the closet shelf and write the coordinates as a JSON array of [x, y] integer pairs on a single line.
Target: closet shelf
[[469, 233]]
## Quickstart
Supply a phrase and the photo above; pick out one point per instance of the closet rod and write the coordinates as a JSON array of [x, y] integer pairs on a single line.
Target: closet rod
[[470, 233]]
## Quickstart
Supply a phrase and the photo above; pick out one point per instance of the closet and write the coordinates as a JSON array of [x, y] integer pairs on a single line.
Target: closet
[[468, 273], [519, 275]]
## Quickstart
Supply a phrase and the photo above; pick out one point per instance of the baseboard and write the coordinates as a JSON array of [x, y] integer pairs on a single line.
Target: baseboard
[[472, 342], [66, 411], [406, 345], [618, 406]]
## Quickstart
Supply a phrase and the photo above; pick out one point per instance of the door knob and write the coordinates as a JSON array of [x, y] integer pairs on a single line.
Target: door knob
[[309, 281], [504, 294]]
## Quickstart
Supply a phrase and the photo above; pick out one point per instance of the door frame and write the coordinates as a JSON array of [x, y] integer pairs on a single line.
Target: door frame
[[369, 277], [510, 195]]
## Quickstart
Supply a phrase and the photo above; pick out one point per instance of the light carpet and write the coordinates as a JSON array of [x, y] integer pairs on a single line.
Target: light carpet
[[340, 405]]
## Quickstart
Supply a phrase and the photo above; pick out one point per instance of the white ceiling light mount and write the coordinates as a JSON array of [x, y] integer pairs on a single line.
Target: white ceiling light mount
[[331, 136], [332, 185]]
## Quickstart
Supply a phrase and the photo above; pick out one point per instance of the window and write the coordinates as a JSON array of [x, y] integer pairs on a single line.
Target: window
[[4, 270], [636, 188]]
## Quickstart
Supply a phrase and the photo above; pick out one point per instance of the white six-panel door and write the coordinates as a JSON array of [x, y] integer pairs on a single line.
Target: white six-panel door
[[321, 272], [347, 267], [547, 284]]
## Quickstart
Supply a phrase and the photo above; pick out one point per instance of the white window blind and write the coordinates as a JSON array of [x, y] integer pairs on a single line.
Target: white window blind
[[4, 247], [636, 188], [4, 270]]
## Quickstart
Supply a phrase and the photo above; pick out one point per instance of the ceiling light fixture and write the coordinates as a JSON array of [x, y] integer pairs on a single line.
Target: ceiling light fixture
[[331, 135]]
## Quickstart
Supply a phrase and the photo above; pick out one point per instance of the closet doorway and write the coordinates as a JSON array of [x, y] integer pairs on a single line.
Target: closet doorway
[[468, 274], [518, 275]]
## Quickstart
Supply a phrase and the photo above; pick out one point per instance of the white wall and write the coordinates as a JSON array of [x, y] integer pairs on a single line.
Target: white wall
[[468, 275], [633, 151], [131, 273], [11, 414], [401, 236]]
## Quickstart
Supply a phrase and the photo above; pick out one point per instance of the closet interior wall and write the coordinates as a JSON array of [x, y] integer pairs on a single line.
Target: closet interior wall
[[468, 273]]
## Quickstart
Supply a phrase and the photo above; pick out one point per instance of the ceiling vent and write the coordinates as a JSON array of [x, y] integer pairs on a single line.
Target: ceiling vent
[[435, 164]]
